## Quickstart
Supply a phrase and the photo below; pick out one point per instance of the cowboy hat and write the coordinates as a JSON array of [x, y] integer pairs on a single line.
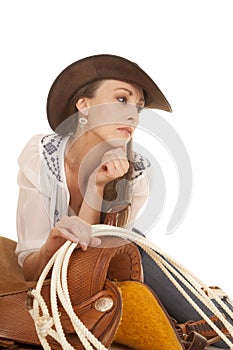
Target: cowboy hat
[[91, 69]]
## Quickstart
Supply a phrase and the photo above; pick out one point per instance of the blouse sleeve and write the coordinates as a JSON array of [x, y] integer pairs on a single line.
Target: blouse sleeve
[[33, 224]]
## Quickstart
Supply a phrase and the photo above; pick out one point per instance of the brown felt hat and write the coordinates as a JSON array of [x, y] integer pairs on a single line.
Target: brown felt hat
[[91, 69]]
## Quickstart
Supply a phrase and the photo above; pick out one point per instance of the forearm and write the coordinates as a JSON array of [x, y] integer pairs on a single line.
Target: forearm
[[91, 206], [34, 264], [70, 230]]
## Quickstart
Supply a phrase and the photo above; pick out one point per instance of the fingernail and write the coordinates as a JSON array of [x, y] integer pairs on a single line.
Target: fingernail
[[98, 241], [83, 246]]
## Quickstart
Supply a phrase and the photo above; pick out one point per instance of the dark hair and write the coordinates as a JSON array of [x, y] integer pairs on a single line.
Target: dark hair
[[118, 196], [117, 193], [70, 124]]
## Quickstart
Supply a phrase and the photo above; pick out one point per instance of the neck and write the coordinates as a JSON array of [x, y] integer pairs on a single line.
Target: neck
[[84, 153]]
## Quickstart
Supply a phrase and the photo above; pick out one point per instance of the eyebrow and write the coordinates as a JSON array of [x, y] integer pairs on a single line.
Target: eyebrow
[[129, 92]]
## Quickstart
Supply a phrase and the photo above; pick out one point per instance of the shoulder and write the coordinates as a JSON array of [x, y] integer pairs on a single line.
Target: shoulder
[[31, 151], [29, 161], [52, 149], [43, 154]]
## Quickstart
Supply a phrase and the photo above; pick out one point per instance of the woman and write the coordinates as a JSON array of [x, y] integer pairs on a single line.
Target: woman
[[85, 173], [71, 179]]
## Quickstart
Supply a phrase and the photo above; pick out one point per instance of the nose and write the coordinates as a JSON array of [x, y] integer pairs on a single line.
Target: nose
[[132, 114]]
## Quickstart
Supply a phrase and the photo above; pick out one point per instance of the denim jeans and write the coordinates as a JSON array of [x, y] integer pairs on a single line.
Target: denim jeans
[[173, 301]]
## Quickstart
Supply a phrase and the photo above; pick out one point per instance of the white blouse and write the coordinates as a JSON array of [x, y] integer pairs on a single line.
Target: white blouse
[[43, 192]]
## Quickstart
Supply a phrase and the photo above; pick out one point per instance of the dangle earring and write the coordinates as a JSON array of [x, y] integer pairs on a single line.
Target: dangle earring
[[82, 122]]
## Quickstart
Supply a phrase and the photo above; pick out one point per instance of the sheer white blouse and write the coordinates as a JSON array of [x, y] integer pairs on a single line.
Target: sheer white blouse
[[43, 192]]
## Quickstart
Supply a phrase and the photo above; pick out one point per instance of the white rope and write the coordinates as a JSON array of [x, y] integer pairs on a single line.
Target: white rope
[[193, 283], [58, 289], [47, 324]]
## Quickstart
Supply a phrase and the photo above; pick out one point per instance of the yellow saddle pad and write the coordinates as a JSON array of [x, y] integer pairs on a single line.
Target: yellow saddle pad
[[144, 325]]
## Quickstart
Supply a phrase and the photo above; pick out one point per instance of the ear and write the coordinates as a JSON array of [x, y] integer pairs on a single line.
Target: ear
[[82, 103]]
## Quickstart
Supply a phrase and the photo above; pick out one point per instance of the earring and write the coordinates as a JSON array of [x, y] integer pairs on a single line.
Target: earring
[[82, 122]]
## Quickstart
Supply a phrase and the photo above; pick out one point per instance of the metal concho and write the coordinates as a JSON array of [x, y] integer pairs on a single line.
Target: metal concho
[[104, 304]]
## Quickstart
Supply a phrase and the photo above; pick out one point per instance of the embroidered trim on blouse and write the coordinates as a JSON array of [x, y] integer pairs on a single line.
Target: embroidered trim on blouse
[[51, 145], [140, 164], [52, 156]]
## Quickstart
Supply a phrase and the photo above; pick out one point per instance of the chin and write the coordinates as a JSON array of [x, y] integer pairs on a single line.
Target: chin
[[119, 142]]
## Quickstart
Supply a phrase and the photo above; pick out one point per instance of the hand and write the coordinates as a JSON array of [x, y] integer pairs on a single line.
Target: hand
[[114, 164], [72, 229]]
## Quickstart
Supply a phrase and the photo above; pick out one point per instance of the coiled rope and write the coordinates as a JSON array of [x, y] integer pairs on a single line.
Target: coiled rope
[[47, 324]]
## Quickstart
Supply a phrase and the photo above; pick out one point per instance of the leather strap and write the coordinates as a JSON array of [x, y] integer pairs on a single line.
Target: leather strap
[[203, 328], [195, 341], [191, 341]]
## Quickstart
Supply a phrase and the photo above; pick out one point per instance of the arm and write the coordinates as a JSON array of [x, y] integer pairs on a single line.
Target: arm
[[75, 228], [92, 203], [38, 239], [68, 228], [114, 164]]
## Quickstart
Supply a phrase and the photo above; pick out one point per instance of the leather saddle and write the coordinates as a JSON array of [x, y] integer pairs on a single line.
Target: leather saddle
[[133, 315]]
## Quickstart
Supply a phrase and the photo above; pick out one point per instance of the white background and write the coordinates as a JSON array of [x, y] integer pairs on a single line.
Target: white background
[[186, 47]]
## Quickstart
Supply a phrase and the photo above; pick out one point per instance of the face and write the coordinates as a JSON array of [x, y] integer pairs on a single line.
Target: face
[[113, 112]]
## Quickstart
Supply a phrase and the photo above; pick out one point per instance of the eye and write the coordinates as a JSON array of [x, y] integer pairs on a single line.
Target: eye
[[122, 99]]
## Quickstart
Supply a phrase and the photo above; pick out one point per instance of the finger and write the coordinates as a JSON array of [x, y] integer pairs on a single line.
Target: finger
[[120, 160], [95, 242], [83, 245], [69, 236], [121, 165], [63, 221], [73, 224], [108, 170], [114, 154], [119, 168], [112, 170]]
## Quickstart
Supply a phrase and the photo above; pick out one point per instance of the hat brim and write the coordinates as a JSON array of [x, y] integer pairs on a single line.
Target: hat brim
[[91, 69]]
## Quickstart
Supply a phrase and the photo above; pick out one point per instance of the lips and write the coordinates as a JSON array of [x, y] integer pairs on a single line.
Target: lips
[[126, 130]]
